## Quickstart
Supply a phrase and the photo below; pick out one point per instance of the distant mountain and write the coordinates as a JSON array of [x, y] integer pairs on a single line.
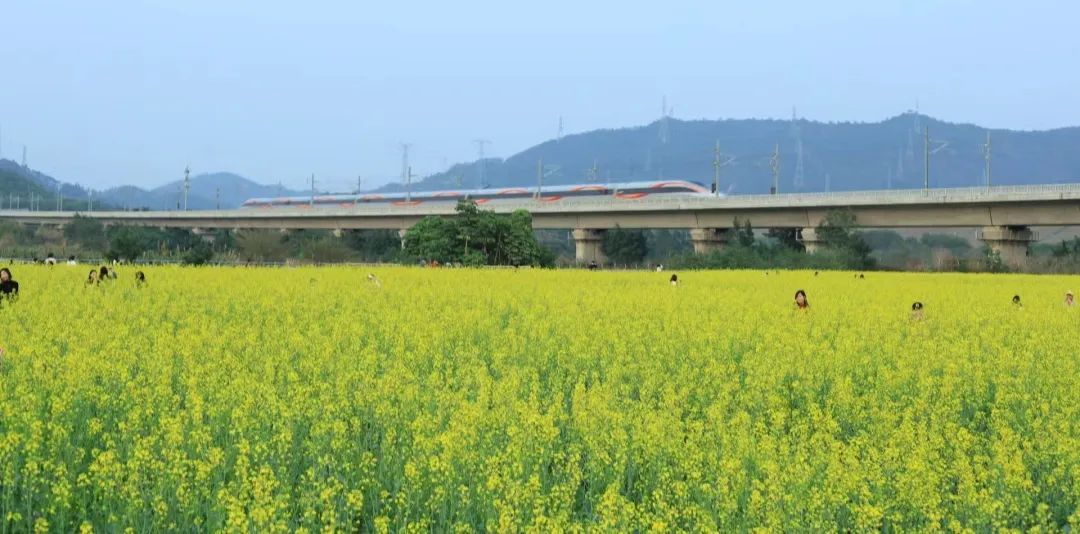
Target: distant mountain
[[835, 156], [204, 193], [43, 183], [18, 185]]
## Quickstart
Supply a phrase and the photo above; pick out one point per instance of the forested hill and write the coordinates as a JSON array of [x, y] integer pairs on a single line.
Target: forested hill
[[835, 156]]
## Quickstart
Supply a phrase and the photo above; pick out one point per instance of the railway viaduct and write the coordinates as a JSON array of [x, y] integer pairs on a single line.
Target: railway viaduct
[[1005, 216]]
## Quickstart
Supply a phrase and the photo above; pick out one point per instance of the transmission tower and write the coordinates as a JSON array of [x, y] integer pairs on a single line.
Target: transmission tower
[[796, 132], [774, 164], [665, 113], [405, 161], [482, 174], [929, 151], [558, 138], [187, 185]]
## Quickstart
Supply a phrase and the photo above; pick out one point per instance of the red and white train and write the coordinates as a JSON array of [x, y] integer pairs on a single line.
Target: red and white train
[[555, 193]]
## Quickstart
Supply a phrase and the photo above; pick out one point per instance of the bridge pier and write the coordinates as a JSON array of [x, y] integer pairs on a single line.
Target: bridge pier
[[709, 240], [810, 240], [1010, 242], [338, 232], [401, 235], [587, 245]]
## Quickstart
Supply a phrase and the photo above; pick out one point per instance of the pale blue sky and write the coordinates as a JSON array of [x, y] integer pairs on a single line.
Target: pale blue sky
[[124, 92]]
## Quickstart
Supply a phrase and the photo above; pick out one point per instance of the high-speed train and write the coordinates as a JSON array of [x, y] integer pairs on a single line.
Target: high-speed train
[[555, 193]]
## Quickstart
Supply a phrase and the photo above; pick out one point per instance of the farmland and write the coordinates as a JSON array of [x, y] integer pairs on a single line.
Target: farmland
[[466, 400]]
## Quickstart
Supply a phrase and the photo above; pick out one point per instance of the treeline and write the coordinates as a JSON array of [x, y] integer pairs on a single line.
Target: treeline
[[479, 237], [475, 237], [844, 245], [86, 238]]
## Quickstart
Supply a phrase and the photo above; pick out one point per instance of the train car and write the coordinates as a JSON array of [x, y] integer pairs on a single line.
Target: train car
[[554, 193]]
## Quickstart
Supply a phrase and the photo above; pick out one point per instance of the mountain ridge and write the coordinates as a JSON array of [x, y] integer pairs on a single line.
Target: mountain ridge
[[836, 156]]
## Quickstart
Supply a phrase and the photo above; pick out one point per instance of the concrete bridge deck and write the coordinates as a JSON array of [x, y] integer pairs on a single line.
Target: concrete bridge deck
[[1049, 205], [1003, 214]]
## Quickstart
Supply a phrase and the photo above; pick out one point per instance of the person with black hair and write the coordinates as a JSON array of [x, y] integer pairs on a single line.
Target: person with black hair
[[140, 279], [800, 300], [9, 288], [674, 279], [1016, 301], [916, 311], [92, 278], [103, 274]]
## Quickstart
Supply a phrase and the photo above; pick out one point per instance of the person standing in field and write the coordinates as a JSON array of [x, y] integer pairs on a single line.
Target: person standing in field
[[916, 311], [140, 279], [92, 278], [1016, 301], [800, 300], [9, 288], [674, 279], [1069, 302]]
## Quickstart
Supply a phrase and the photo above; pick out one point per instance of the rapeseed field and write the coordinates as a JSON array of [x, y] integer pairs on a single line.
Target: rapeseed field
[[311, 399]]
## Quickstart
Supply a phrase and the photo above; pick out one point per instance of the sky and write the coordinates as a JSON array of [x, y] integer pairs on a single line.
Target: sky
[[125, 92]]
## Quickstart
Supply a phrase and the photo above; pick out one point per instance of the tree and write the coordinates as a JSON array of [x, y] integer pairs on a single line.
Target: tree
[[477, 237], [202, 252], [86, 232], [624, 246], [374, 245], [433, 238], [744, 235], [129, 242], [838, 232], [328, 250], [520, 245], [261, 245], [787, 237]]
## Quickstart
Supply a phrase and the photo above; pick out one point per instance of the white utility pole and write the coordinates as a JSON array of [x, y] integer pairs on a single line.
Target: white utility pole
[[187, 185]]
